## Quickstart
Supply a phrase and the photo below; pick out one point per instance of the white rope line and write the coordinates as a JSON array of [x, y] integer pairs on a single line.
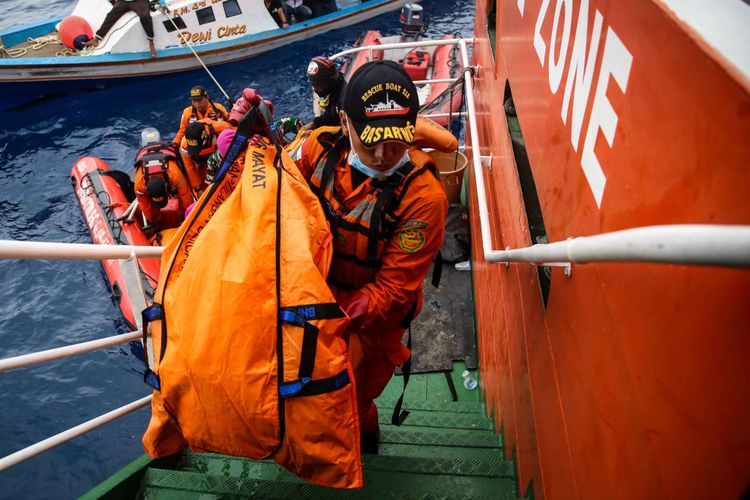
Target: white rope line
[[190, 46]]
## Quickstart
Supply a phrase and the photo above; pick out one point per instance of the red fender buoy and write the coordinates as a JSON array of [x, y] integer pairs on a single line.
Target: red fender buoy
[[74, 32]]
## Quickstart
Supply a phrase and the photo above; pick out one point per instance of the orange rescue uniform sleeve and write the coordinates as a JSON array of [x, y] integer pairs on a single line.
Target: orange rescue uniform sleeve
[[186, 113], [194, 176], [151, 213], [409, 253], [180, 183]]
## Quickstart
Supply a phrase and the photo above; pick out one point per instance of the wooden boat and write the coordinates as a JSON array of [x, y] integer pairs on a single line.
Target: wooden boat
[[219, 32]]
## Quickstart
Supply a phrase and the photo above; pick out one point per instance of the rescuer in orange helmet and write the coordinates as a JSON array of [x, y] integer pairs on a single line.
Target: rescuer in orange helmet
[[387, 213]]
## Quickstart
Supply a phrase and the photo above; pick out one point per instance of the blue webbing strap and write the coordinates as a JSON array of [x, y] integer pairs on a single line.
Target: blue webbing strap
[[154, 312], [314, 387], [299, 316]]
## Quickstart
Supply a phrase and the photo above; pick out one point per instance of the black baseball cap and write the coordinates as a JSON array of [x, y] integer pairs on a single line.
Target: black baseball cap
[[381, 102], [156, 189], [198, 92], [195, 137], [322, 70]]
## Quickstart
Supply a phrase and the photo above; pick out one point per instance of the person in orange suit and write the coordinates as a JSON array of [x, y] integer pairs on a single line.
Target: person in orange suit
[[201, 106], [387, 212], [197, 146], [159, 180]]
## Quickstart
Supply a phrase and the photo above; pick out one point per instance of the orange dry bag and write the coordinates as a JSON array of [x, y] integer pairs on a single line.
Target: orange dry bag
[[246, 336]]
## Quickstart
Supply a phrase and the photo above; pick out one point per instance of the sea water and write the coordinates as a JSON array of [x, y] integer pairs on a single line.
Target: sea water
[[46, 304]]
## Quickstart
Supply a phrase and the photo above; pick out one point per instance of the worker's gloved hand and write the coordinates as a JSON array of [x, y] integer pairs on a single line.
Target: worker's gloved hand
[[355, 304], [248, 99]]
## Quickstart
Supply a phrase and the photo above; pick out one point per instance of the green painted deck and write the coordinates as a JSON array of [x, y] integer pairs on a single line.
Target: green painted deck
[[444, 449]]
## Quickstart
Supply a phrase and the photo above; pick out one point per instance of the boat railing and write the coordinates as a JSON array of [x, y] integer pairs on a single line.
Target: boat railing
[[411, 45], [72, 251]]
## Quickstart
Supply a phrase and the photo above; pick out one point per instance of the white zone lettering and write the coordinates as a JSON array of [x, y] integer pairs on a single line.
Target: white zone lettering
[[579, 68]]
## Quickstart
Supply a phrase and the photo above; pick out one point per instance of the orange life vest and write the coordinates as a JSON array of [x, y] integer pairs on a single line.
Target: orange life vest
[[375, 215], [247, 347], [154, 160]]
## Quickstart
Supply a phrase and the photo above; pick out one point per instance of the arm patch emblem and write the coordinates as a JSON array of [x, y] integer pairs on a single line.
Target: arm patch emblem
[[410, 240]]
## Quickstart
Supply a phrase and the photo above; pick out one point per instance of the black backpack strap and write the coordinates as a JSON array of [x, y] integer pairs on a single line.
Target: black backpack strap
[[437, 269], [399, 416], [383, 201]]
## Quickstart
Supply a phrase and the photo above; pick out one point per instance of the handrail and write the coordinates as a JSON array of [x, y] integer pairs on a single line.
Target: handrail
[[67, 351], [72, 433], [697, 244], [402, 45], [42, 250]]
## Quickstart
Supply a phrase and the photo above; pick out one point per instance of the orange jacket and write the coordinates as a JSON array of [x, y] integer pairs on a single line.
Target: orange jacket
[[391, 274], [196, 169], [177, 183], [214, 112]]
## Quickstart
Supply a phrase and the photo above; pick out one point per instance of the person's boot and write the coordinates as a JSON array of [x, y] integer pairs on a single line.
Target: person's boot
[[152, 48], [368, 443]]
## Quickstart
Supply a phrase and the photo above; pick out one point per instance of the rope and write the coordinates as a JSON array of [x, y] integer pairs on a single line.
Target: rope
[[38, 44], [187, 42]]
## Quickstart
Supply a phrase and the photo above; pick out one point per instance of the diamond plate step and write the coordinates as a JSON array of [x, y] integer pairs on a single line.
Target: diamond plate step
[[181, 485], [438, 437], [221, 465], [416, 451], [451, 421], [442, 406]]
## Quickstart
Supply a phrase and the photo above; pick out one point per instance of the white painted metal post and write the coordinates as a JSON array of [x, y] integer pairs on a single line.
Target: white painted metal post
[[72, 433], [67, 351], [72, 251]]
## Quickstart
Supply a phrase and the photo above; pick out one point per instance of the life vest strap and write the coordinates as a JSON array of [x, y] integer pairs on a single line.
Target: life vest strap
[[155, 312], [309, 387], [299, 316]]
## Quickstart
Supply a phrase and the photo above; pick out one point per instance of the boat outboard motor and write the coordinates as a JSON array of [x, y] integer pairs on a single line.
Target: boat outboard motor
[[412, 20], [149, 135]]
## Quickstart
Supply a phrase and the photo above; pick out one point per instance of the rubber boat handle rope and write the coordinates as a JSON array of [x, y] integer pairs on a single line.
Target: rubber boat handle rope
[[166, 12]]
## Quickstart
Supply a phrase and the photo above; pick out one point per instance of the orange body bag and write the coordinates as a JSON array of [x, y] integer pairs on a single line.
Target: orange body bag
[[248, 356]]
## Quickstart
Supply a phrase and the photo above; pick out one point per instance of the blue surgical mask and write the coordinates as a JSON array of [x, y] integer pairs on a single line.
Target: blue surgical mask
[[357, 163]]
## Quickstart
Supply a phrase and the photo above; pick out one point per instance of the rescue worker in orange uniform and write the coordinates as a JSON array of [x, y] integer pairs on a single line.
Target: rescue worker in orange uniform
[[387, 213], [201, 107], [162, 191], [197, 146]]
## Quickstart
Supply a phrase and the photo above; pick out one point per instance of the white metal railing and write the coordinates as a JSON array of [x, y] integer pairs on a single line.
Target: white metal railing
[[67, 351], [71, 251], [72, 433]]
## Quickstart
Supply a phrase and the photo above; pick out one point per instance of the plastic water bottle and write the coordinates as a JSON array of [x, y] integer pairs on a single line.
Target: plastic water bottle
[[469, 382]]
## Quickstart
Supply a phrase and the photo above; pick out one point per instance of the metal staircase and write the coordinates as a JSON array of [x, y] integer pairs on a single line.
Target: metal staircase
[[444, 449]]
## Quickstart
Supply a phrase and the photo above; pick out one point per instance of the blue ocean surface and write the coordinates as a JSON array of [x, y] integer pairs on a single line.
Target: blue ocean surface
[[46, 304]]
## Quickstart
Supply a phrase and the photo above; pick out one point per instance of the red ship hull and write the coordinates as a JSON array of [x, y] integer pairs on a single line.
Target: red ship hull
[[632, 380]]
